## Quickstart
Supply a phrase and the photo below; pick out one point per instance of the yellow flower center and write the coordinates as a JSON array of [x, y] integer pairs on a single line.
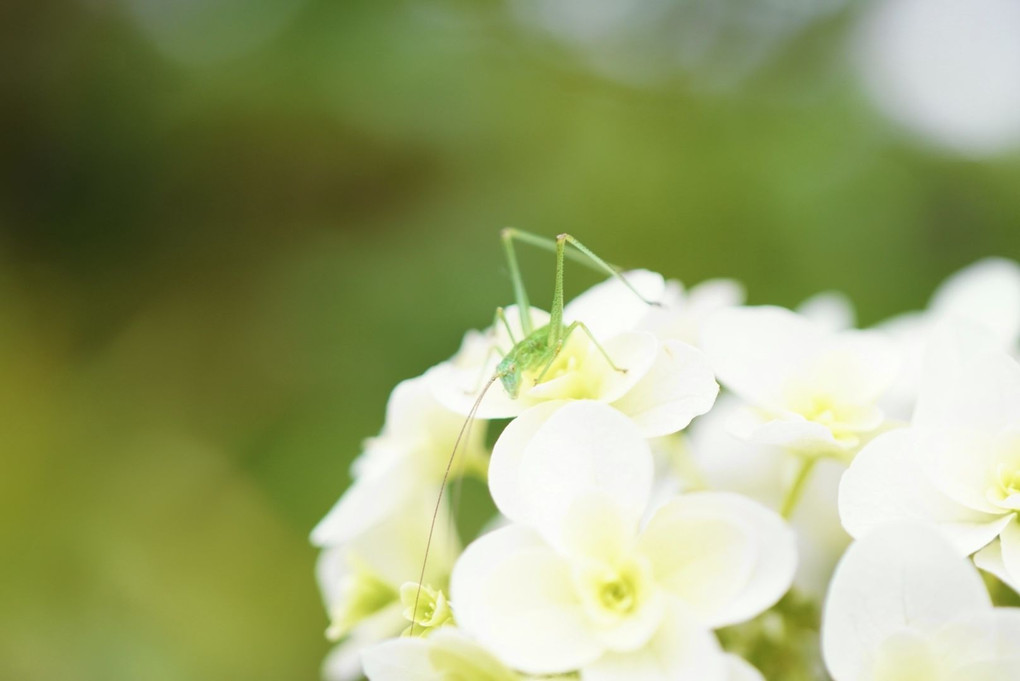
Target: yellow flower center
[[614, 591], [1005, 481], [617, 595], [433, 610]]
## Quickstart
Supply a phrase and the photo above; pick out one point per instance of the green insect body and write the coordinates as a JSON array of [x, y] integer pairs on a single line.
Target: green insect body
[[540, 347], [530, 353]]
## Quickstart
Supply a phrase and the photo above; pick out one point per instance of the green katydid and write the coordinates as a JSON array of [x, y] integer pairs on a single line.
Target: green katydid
[[536, 351]]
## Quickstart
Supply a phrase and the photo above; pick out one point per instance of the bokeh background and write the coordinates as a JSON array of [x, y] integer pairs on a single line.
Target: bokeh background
[[229, 228]]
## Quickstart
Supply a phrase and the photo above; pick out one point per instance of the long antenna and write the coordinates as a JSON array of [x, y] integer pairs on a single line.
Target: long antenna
[[439, 499]]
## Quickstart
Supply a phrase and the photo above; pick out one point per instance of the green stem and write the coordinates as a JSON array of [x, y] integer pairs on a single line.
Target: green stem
[[796, 490]]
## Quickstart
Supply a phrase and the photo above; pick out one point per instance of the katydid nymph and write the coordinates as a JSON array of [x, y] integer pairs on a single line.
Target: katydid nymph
[[536, 351]]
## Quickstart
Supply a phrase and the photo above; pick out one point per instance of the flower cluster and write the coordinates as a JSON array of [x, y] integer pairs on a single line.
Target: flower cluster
[[652, 528]]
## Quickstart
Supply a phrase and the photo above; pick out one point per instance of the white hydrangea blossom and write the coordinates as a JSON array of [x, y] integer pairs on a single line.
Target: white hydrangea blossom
[[406, 461], [958, 464], [665, 383], [627, 550], [767, 473], [903, 606], [576, 583], [986, 293], [680, 314], [374, 537], [809, 389], [447, 654], [361, 579]]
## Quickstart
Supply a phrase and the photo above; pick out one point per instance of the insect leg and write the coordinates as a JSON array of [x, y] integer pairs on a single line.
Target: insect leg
[[602, 350], [501, 316], [611, 269], [557, 334], [495, 349], [520, 294], [582, 254]]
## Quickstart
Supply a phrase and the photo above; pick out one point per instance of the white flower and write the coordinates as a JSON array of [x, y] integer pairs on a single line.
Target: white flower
[[904, 606], [343, 663], [451, 654], [445, 655], [663, 385], [958, 464], [810, 390], [985, 293], [576, 583], [363, 576], [766, 474], [406, 461], [610, 308], [361, 580]]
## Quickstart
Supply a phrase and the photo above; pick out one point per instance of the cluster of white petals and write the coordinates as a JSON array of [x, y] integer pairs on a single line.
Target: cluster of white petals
[[653, 528], [809, 389], [957, 466], [577, 581], [903, 606]]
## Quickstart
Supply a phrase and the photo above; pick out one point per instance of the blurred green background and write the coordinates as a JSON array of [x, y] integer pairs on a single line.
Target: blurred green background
[[228, 229]]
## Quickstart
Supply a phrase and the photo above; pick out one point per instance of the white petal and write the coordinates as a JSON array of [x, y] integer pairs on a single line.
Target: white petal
[[987, 292], [990, 560], [984, 636], [517, 597], [821, 539], [727, 557], [755, 349], [343, 663], [399, 659], [712, 295], [1010, 539], [593, 377], [832, 310], [888, 481], [741, 670], [794, 433], [990, 670], [331, 569], [366, 503], [968, 382], [681, 649], [595, 530], [456, 656], [610, 308], [897, 576], [584, 447], [679, 386], [396, 548], [468, 583], [507, 455], [909, 333], [855, 367], [682, 314], [413, 411], [732, 464], [962, 465]]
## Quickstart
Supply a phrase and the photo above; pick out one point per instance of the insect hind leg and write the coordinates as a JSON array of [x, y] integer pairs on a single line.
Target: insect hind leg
[[579, 253], [602, 351]]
